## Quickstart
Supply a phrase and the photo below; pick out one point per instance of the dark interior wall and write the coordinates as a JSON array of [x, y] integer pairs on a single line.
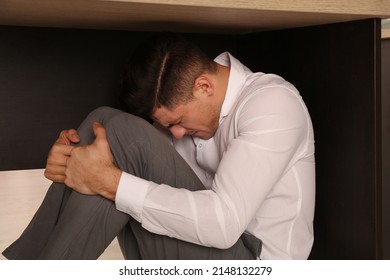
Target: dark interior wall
[[50, 79], [335, 67], [386, 145]]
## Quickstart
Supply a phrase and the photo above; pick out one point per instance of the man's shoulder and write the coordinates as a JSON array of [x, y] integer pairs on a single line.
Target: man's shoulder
[[266, 85], [259, 81]]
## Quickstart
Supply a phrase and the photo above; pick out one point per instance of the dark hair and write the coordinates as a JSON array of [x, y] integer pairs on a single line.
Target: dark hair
[[162, 72]]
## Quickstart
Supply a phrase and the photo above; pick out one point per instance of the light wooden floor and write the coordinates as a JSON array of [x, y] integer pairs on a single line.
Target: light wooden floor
[[21, 193]]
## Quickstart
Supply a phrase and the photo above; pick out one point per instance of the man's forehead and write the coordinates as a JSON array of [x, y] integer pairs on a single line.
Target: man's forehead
[[162, 114]]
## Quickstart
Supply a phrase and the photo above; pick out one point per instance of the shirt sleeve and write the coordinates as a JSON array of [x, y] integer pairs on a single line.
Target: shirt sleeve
[[131, 194], [270, 137]]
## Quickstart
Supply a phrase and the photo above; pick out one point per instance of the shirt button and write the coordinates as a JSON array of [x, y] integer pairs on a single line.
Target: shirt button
[[200, 145]]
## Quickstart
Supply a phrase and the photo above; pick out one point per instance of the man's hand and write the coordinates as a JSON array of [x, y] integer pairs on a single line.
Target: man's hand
[[91, 170], [59, 155]]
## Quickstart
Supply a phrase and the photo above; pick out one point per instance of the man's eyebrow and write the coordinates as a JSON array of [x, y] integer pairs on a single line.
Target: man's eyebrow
[[170, 124]]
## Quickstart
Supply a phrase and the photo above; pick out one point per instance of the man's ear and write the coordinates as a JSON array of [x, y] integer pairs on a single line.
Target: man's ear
[[204, 85]]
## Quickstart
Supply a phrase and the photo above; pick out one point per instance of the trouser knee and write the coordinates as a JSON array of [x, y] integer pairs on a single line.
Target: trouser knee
[[126, 122], [128, 128], [132, 141], [102, 114], [117, 124], [116, 121]]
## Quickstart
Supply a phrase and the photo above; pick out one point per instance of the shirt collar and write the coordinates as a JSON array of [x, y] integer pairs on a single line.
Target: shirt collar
[[237, 79]]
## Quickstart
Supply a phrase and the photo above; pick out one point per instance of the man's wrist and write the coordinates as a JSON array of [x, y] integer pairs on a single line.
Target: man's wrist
[[111, 181]]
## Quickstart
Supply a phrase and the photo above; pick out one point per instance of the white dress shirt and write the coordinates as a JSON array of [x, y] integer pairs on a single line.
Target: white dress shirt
[[259, 170]]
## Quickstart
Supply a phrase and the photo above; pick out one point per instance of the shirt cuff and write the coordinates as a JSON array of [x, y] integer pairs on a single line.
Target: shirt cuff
[[131, 194]]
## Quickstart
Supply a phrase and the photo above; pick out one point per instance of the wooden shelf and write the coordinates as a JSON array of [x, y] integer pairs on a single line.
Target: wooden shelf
[[205, 16]]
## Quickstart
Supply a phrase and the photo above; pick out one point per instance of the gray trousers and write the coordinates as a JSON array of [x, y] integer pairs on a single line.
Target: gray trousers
[[70, 225]]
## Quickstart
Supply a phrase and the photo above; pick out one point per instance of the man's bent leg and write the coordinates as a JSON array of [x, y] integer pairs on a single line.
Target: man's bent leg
[[86, 227], [142, 151], [69, 225], [88, 224], [153, 246], [34, 238]]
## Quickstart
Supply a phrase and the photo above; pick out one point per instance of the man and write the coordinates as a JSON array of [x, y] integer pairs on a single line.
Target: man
[[236, 181]]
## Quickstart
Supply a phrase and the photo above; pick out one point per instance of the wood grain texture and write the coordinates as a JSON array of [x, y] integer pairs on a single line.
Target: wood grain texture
[[232, 16]]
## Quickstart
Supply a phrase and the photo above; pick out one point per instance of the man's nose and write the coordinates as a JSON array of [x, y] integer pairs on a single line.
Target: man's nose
[[177, 131]]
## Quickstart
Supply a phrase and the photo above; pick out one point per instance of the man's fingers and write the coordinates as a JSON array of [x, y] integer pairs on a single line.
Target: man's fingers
[[68, 136], [59, 154], [99, 131], [60, 149], [55, 169], [101, 137], [55, 177], [72, 135], [57, 161]]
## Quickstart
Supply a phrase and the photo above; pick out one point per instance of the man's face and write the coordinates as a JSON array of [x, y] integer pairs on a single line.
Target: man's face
[[198, 118]]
